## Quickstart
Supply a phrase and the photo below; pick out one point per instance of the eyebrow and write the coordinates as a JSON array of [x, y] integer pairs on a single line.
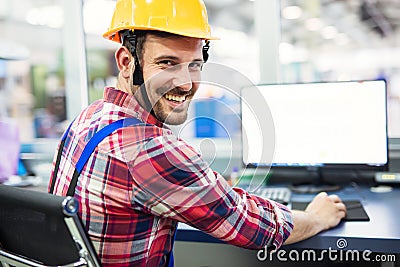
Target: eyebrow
[[174, 58], [166, 57]]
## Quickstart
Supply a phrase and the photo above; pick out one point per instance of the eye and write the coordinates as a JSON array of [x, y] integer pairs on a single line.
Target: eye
[[196, 66], [166, 63]]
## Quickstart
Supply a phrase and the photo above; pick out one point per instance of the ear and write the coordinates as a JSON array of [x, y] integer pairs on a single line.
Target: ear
[[123, 59]]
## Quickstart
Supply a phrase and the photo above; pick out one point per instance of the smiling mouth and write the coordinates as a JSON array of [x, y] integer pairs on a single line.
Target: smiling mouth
[[179, 99]]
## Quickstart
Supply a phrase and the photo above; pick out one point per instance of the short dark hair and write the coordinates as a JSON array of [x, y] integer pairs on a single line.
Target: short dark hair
[[141, 39]]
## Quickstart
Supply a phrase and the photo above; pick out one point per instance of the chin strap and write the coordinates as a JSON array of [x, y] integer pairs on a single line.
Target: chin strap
[[132, 39], [206, 46]]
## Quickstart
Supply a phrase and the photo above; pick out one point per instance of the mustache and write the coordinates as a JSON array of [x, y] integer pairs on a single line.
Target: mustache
[[175, 91]]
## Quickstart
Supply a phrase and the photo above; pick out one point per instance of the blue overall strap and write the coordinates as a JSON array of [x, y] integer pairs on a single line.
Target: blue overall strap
[[58, 158], [92, 144], [66, 132], [99, 136]]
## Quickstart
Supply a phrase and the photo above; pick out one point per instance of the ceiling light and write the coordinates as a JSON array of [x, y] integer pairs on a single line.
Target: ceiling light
[[292, 12], [51, 16], [313, 24], [329, 32]]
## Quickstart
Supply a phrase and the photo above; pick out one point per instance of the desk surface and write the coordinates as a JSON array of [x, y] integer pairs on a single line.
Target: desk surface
[[380, 234]]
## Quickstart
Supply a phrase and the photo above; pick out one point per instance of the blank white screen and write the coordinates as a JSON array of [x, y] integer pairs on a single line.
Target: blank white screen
[[319, 123]]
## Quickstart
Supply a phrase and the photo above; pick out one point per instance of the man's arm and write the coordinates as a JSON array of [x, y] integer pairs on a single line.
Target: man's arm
[[322, 213], [175, 182]]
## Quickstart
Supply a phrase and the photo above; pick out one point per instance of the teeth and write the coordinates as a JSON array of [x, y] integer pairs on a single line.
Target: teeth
[[175, 97]]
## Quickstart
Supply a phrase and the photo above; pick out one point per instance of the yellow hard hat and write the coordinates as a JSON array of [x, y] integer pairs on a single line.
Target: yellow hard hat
[[183, 17]]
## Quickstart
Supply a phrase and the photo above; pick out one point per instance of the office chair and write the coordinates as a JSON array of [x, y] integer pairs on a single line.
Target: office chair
[[40, 229]]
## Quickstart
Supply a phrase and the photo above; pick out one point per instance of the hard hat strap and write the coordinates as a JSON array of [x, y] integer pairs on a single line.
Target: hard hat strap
[[132, 39], [206, 46]]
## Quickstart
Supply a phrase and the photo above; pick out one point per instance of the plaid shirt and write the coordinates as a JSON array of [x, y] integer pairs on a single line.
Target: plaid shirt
[[142, 179]]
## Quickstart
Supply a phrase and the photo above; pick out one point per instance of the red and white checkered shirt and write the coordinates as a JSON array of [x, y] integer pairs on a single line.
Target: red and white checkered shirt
[[142, 179]]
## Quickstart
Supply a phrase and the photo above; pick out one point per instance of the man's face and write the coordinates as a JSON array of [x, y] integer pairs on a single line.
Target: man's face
[[171, 71]]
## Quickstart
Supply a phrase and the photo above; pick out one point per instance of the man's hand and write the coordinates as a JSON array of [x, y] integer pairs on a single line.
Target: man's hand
[[328, 210], [322, 213]]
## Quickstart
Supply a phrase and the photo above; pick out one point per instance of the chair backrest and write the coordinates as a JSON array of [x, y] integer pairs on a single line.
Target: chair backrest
[[40, 229]]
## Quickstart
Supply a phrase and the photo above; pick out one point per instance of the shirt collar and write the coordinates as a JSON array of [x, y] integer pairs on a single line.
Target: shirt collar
[[125, 100]]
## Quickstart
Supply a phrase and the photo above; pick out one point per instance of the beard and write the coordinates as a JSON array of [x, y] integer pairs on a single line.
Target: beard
[[172, 114], [156, 103], [174, 117]]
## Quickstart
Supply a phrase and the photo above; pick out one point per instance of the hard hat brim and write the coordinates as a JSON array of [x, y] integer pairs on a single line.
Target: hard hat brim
[[113, 36]]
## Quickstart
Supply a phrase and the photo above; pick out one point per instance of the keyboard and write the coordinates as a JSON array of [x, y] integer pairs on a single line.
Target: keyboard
[[279, 194]]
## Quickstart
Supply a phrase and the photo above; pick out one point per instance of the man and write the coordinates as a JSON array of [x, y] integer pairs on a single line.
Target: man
[[141, 180]]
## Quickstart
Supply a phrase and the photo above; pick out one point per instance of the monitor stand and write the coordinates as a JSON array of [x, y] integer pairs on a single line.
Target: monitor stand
[[314, 187]]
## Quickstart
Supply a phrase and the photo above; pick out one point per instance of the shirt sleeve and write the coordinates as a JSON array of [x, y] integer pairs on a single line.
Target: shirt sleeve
[[173, 181]]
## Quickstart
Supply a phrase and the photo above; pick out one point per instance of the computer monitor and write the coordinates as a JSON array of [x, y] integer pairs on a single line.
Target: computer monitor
[[320, 125]]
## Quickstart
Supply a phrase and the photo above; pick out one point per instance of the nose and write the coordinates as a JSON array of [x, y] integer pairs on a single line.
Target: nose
[[183, 78]]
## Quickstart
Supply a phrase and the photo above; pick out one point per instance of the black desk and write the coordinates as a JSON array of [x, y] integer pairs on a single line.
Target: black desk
[[381, 234]]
